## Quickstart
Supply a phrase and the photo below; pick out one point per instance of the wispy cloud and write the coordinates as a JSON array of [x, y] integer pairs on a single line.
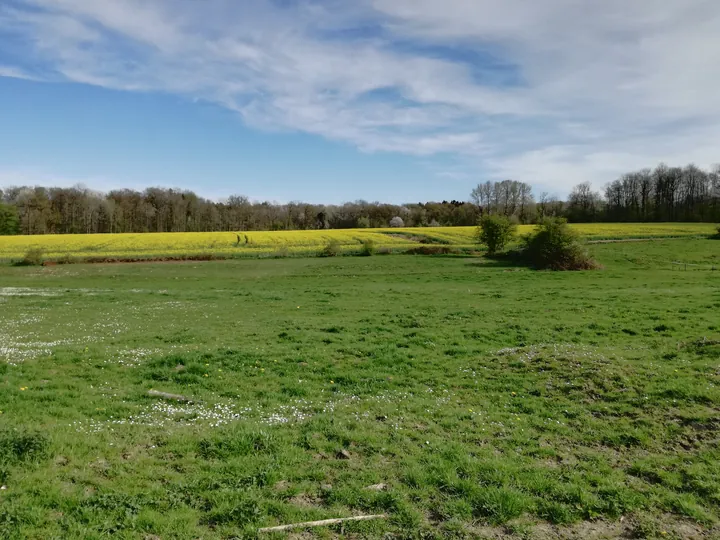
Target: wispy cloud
[[550, 92], [16, 73]]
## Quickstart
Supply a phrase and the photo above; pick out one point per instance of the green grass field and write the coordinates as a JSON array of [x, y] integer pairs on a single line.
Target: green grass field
[[463, 398]]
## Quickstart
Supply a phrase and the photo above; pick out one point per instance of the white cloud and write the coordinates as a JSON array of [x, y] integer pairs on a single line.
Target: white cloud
[[599, 86], [558, 167], [15, 73]]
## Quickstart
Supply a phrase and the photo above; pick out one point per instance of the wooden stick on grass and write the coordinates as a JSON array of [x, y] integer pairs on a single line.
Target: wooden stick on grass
[[176, 397], [320, 523]]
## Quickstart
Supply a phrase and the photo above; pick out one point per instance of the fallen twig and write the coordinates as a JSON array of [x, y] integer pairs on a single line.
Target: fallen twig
[[320, 523], [176, 397]]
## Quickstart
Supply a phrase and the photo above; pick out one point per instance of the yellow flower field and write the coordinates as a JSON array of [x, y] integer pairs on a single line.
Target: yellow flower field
[[150, 245]]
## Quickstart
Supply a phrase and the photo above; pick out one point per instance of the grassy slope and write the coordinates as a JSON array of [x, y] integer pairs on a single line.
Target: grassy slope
[[480, 395], [284, 243]]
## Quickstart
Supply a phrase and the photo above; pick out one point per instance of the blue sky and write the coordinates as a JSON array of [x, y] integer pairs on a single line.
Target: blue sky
[[326, 101]]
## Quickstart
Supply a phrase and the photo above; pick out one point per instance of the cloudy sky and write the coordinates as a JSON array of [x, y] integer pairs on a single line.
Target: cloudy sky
[[330, 100]]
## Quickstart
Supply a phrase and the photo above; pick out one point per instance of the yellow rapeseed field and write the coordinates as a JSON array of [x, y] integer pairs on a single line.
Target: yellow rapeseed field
[[151, 245]]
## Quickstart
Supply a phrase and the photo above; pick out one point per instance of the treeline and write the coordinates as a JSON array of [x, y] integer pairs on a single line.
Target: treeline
[[663, 194], [40, 210]]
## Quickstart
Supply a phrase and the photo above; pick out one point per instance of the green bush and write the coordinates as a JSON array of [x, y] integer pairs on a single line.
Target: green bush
[[555, 246], [717, 235], [33, 257], [368, 247], [332, 249], [495, 232]]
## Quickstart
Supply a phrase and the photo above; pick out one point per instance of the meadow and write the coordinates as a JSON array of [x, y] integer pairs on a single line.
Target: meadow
[[100, 247], [461, 397]]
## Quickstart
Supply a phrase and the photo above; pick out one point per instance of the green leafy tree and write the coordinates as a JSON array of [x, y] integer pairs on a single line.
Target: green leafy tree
[[555, 246], [495, 231], [9, 222]]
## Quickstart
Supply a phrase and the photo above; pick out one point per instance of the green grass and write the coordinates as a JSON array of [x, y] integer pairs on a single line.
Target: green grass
[[488, 399]]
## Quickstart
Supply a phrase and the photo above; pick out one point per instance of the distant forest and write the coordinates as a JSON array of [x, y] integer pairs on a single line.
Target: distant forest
[[661, 194]]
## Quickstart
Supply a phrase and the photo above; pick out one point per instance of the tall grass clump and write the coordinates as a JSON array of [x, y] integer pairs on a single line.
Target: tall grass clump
[[555, 246], [331, 249], [495, 232], [22, 446]]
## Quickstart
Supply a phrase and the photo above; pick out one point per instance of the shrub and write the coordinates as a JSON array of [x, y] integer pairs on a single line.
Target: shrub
[[717, 235], [368, 247], [397, 221], [363, 222], [33, 257], [495, 232], [555, 246], [332, 249]]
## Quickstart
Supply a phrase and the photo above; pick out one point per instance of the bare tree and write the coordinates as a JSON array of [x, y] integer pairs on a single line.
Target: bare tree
[[584, 204], [509, 198]]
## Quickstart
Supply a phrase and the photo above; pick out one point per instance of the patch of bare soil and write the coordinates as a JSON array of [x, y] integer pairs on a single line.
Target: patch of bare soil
[[666, 526]]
